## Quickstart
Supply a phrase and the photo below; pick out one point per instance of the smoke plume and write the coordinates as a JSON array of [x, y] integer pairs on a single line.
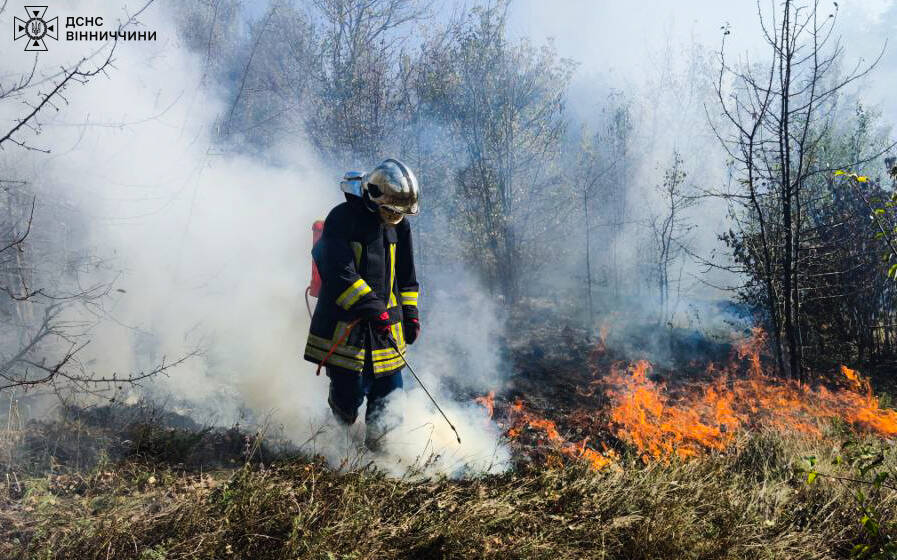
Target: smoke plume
[[209, 251]]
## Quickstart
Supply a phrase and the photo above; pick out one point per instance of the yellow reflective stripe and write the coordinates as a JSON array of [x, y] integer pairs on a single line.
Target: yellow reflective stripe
[[343, 350], [356, 248], [339, 332], [384, 354], [359, 295], [409, 298], [385, 369], [389, 352], [392, 274], [353, 293], [318, 347], [399, 336], [380, 367], [335, 359]]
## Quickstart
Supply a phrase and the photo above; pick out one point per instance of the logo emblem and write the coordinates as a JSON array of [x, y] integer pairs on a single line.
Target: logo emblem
[[35, 28]]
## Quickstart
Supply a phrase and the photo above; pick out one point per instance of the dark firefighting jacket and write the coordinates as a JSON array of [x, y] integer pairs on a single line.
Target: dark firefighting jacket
[[366, 268]]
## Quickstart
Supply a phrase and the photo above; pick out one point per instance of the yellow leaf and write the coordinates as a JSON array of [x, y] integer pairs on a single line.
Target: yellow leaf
[[862, 179], [840, 172]]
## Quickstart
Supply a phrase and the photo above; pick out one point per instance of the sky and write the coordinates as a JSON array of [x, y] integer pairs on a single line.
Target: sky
[[617, 43]]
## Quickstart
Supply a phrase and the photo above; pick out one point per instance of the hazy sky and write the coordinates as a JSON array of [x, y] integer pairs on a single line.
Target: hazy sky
[[617, 42]]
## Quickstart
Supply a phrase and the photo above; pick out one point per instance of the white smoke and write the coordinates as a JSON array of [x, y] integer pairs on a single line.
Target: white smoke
[[210, 248], [660, 59]]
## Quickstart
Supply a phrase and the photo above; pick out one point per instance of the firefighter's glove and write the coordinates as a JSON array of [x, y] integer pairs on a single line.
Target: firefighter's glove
[[382, 322], [411, 330]]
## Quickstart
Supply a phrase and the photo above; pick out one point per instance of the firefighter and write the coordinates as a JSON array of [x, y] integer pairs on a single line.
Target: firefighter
[[369, 292]]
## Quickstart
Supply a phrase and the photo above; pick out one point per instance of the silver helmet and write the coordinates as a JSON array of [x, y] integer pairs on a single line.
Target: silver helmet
[[393, 188]]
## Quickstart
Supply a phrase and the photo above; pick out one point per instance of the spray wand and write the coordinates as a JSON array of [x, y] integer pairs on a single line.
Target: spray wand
[[422, 386]]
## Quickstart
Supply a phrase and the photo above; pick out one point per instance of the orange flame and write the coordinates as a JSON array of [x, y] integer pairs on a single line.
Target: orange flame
[[687, 420], [522, 419], [488, 401], [645, 417], [751, 348], [852, 375], [661, 424]]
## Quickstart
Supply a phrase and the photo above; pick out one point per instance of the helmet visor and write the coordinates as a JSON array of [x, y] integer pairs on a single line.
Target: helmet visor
[[407, 206]]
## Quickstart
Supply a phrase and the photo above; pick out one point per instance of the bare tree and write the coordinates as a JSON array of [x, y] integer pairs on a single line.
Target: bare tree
[[591, 169], [361, 76], [39, 340], [670, 231], [779, 113]]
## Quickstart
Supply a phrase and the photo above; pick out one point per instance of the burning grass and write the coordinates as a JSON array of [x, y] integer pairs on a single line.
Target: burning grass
[[613, 460], [688, 419], [707, 417]]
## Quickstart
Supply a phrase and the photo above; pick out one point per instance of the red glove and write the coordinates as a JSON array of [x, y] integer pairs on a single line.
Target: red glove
[[411, 330], [382, 322]]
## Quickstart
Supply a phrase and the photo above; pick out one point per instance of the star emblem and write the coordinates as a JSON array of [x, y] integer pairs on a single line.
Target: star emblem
[[35, 28]]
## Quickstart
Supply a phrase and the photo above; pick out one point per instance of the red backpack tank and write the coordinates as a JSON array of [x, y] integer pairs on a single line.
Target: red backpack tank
[[314, 288]]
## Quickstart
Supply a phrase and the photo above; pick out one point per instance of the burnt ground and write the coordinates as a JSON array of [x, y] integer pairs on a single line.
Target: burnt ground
[[558, 371], [83, 438], [557, 375], [154, 491]]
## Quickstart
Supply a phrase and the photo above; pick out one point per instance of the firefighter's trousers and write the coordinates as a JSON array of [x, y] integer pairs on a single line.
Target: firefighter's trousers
[[348, 390]]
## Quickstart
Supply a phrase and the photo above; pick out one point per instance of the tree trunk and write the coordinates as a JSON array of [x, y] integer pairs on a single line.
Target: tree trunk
[[585, 205]]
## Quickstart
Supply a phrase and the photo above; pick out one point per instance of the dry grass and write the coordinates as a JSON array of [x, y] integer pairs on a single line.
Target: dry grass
[[138, 486], [752, 502]]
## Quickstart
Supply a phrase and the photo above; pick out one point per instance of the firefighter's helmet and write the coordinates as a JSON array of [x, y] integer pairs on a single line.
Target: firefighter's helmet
[[392, 187]]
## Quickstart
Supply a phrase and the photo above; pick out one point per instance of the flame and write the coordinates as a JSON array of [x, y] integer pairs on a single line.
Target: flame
[[523, 419], [852, 375], [685, 420], [751, 348], [645, 417], [691, 420], [601, 344], [488, 401]]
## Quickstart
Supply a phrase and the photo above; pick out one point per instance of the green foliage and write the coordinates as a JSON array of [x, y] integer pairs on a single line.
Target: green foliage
[[847, 301], [154, 553], [881, 212], [870, 477]]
